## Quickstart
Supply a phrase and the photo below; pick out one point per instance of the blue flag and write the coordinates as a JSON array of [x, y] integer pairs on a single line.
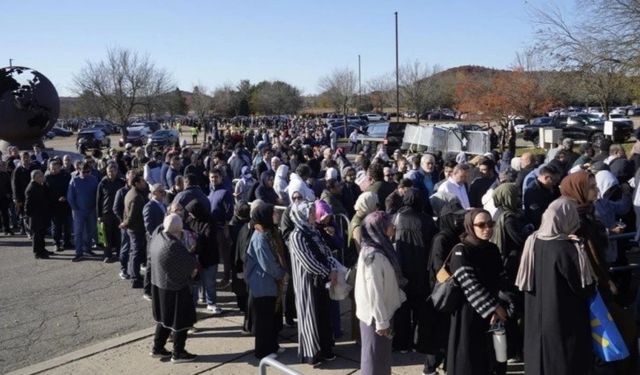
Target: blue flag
[[607, 341]]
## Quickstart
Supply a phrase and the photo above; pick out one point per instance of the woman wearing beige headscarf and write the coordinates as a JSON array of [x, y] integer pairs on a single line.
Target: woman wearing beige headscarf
[[556, 276], [366, 203]]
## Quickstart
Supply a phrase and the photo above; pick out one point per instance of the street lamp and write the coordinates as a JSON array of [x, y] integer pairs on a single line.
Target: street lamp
[[397, 74]]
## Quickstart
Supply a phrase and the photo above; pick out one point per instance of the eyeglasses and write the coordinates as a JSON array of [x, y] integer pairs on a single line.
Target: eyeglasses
[[484, 224]]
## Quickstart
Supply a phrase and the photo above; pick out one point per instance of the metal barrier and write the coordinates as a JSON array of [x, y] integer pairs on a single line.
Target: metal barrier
[[270, 362]]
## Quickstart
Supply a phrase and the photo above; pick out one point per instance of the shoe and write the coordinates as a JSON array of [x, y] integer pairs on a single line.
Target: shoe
[[59, 248], [109, 260], [215, 310], [330, 358], [224, 285], [162, 353], [42, 256], [146, 296], [193, 330], [281, 350], [9, 233], [137, 284], [49, 252], [182, 357], [89, 253], [124, 276], [77, 258]]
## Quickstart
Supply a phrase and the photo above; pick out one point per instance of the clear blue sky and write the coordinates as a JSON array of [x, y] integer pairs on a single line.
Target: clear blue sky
[[298, 41]]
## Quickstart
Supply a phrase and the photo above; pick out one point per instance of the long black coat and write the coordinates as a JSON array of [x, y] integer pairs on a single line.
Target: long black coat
[[478, 269], [557, 328], [36, 205]]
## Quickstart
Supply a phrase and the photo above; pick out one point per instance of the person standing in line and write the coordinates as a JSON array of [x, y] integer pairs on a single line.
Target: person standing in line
[[133, 222], [81, 196], [557, 278], [153, 214], [457, 185], [37, 209], [477, 267], [172, 270], [264, 268], [107, 189], [221, 203], [57, 180], [20, 178], [312, 267], [118, 210], [377, 293]]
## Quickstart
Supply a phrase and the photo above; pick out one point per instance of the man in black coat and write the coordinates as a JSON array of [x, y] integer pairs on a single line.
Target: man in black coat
[[118, 210], [133, 222], [540, 195], [378, 185], [19, 180], [106, 194], [57, 183], [37, 209]]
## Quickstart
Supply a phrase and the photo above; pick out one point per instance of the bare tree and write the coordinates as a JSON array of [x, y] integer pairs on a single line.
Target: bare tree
[[339, 87], [380, 89], [602, 43], [120, 81], [414, 86], [223, 100], [152, 96]]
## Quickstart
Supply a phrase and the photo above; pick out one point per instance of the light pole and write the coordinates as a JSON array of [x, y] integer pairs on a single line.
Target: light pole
[[359, 84], [397, 74], [10, 63]]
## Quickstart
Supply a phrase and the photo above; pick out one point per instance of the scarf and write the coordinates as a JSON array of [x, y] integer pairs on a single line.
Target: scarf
[[300, 212], [469, 235], [247, 177], [559, 222], [576, 186], [507, 199], [375, 240], [605, 181]]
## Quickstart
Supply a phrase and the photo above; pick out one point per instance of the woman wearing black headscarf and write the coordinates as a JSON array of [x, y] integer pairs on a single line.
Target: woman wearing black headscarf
[[377, 293], [414, 232], [477, 267], [436, 329], [265, 190]]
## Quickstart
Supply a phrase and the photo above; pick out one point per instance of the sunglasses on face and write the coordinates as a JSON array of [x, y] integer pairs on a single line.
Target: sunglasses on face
[[484, 224]]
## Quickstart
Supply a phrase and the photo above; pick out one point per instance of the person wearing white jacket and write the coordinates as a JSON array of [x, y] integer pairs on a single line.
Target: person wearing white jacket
[[298, 184], [377, 293]]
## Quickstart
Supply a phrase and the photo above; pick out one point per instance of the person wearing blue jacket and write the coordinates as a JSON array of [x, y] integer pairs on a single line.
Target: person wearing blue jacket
[[81, 196], [264, 270], [221, 202]]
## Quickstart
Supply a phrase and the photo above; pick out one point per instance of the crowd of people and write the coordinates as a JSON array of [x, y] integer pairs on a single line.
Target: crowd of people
[[293, 220]]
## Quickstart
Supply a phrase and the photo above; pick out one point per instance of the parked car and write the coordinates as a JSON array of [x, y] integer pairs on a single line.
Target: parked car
[[440, 115], [633, 111], [390, 134], [374, 117], [60, 132], [106, 127], [136, 136], [165, 137], [518, 124], [584, 126], [92, 139], [621, 119]]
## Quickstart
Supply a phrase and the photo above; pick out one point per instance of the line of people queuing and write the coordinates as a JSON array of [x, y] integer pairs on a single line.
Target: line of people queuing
[[408, 215]]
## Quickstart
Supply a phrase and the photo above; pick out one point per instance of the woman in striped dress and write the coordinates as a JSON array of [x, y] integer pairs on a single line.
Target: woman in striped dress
[[477, 267], [312, 267]]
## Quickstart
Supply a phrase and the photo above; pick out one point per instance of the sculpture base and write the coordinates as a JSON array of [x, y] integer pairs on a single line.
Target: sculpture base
[[26, 144]]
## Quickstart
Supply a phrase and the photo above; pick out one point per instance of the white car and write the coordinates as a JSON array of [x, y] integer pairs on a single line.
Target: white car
[[373, 117], [518, 124]]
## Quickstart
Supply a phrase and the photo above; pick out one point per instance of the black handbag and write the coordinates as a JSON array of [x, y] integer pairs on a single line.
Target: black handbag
[[446, 295]]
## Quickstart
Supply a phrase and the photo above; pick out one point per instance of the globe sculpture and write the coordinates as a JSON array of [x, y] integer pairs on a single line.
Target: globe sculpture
[[29, 106]]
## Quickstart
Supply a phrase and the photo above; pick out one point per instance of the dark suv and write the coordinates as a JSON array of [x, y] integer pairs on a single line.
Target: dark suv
[[92, 139], [583, 126]]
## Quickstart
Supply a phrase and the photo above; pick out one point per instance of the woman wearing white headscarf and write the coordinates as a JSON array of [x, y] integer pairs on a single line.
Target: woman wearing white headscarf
[[281, 182], [556, 276], [612, 203], [312, 266], [366, 203]]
